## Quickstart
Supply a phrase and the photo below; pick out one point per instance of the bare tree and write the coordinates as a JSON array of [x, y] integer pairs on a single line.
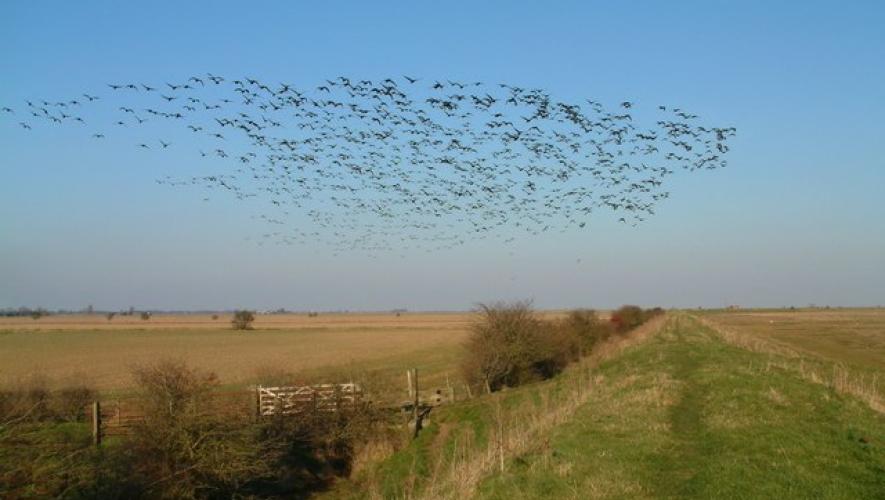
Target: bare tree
[[242, 320]]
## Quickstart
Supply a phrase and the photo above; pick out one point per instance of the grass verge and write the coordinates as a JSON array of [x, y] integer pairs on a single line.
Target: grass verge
[[684, 414]]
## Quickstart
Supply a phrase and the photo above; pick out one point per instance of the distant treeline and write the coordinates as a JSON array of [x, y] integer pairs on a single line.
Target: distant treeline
[[12, 312], [40, 312], [24, 312]]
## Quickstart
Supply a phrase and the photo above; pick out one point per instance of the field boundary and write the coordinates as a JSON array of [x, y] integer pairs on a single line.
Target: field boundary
[[517, 429], [809, 367]]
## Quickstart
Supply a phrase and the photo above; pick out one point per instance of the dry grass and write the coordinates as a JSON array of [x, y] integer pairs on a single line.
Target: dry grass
[[92, 349], [852, 336], [103, 352], [821, 347]]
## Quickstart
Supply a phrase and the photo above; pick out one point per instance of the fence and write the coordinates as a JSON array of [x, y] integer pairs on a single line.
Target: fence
[[118, 417], [113, 417], [296, 400]]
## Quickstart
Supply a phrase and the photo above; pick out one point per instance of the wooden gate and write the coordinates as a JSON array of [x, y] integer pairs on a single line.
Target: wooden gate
[[297, 399]]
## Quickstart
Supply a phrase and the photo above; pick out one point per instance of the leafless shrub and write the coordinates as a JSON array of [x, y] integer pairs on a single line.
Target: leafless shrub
[[242, 320], [190, 444], [24, 400], [69, 403], [504, 345], [561, 345], [588, 327], [184, 448], [628, 317], [509, 345], [32, 401], [169, 388]]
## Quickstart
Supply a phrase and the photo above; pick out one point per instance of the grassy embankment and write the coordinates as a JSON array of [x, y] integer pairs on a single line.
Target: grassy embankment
[[688, 413], [843, 348]]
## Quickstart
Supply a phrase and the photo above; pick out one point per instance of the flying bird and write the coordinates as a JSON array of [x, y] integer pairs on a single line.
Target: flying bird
[[369, 165]]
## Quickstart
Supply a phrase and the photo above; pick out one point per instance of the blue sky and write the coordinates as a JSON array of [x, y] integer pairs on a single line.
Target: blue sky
[[796, 217]]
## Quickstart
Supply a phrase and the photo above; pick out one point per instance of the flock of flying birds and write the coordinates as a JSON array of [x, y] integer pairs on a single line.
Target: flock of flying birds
[[402, 162]]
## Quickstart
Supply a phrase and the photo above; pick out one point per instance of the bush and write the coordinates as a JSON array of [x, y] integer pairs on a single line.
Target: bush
[[500, 344], [187, 447], [170, 388], [27, 400], [193, 443], [145, 316], [558, 346], [589, 328], [32, 401], [509, 346], [70, 403], [651, 313], [242, 320], [626, 318]]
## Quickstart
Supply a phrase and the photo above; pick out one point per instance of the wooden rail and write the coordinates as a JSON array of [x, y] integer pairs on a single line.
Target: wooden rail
[[118, 417], [295, 400]]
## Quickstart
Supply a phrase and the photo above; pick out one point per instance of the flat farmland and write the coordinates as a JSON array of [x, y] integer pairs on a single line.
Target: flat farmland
[[102, 353], [850, 336], [65, 349]]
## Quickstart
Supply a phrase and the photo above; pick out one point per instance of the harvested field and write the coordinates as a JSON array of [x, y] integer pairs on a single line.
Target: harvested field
[[851, 336], [63, 348]]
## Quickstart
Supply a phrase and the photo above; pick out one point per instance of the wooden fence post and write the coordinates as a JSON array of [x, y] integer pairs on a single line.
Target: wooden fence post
[[415, 410], [258, 402], [96, 423]]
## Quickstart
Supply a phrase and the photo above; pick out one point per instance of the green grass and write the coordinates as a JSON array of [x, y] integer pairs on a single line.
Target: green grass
[[29, 451], [683, 415], [724, 426], [843, 347]]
